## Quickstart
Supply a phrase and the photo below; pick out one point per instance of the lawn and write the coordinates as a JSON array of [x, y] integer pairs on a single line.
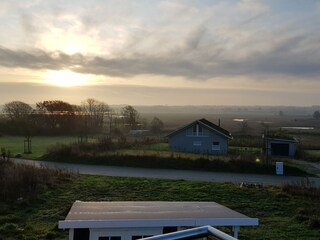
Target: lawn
[[154, 147], [312, 155], [253, 150], [281, 214], [39, 144]]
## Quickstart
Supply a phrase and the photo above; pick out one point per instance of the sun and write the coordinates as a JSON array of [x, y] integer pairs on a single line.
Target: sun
[[66, 78]]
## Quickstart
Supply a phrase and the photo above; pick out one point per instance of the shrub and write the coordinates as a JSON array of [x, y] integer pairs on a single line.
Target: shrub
[[305, 188], [27, 181]]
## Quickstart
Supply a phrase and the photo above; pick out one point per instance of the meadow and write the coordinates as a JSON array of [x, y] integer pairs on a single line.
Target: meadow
[[40, 144], [283, 213]]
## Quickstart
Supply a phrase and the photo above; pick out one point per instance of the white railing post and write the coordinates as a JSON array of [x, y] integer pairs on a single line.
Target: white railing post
[[235, 230]]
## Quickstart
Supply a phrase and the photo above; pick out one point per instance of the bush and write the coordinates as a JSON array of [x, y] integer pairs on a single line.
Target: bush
[[305, 188], [27, 181]]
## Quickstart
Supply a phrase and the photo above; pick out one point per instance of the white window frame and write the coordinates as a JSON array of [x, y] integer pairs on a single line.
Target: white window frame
[[197, 133]]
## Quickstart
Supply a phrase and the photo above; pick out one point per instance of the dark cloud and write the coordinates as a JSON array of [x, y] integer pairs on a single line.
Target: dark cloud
[[194, 38], [38, 59], [286, 58], [191, 40], [191, 62]]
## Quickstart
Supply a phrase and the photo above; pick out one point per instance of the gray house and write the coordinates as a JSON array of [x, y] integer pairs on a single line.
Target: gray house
[[201, 136], [280, 146]]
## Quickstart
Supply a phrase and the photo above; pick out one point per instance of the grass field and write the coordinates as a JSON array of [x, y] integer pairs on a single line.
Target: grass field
[[312, 153], [281, 214], [39, 144]]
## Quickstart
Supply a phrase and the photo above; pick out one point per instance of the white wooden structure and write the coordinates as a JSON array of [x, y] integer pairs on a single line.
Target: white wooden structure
[[205, 232], [134, 220]]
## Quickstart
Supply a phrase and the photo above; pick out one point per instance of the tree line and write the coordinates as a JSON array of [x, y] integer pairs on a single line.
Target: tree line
[[56, 117]]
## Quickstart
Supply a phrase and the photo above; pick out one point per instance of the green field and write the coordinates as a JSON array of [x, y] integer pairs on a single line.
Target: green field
[[312, 153], [282, 215], [39, 144]]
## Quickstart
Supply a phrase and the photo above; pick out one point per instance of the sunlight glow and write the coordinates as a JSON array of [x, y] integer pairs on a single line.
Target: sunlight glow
[[66, 78]]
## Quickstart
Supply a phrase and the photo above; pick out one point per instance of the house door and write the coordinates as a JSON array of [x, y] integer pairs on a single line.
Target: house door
[[81, 234], [280, 149]]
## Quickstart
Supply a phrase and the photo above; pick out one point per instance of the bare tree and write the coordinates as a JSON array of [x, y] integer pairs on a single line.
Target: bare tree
[[156, 125], [94, 112], [17, 110], [244, 127], [131, 116], [19, 114]]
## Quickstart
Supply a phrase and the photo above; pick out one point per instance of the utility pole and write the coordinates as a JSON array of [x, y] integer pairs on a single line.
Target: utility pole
[[266, 146]]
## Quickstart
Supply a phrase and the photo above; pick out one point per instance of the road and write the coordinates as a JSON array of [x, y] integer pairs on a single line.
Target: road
[[171, 173]]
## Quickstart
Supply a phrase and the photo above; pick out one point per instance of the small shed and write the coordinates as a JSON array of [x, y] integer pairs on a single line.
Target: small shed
[[200, 136], [280, 146], [135, 220]]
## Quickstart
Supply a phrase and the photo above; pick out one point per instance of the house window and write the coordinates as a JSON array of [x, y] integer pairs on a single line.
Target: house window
[[169, 230], [81, 234], [216, 146], [110, 238], [194, 129], [139, 237], [197, 143], [197, 130]]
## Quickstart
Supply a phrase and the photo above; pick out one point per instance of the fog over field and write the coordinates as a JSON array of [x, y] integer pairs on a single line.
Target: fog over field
[[217, 109]]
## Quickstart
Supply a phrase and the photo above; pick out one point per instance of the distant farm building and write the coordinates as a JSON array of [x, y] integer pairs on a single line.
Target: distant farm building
[[280, 146], [201, 136], [135, 220]]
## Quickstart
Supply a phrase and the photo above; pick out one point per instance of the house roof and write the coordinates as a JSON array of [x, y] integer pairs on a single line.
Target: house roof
[[207, 124], [280, 138], [152, 214]]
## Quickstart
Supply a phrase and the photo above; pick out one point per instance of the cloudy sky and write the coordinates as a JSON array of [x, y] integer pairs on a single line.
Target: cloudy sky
[[147, 52]]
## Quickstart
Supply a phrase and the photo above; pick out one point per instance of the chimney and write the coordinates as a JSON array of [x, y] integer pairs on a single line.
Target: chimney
[[219, 122]]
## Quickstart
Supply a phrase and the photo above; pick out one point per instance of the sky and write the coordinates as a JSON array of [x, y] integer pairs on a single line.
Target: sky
[[161, 52]]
